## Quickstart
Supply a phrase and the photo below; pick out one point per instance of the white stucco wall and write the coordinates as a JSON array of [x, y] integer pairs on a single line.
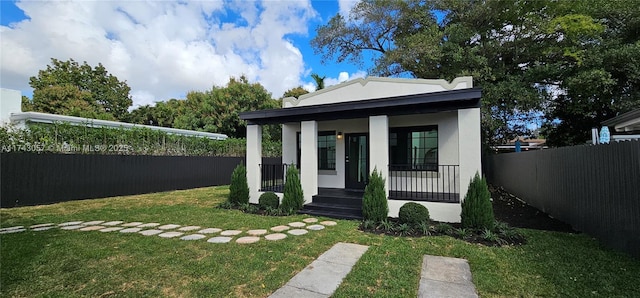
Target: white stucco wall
[[10, 102], [253, 161], [309, 159], [375, 87]]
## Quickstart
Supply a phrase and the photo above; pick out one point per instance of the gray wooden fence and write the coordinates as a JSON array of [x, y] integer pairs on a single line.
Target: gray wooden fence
[[596, 189], [34, 179]]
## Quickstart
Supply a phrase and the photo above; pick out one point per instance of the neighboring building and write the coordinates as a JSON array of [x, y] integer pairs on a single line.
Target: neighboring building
[[422, 135], [525, 145], [11, 114], [624, 127]]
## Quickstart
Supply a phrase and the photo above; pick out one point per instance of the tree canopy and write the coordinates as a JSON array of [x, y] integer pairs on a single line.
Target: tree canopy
[[295, 92], [70, 88], [567, 64]]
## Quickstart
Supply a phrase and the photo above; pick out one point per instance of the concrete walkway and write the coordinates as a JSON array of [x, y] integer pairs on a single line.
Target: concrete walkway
[[445, 277], [323, 276]]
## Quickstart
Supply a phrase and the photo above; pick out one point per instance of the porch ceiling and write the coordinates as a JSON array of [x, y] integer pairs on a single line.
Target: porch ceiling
[[398, 105]]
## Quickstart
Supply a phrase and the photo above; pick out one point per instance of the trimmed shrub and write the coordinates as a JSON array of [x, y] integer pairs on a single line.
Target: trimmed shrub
[[374, 202], [239, 188], [268, 199], [413, 214], [477, 211], [293, 198]]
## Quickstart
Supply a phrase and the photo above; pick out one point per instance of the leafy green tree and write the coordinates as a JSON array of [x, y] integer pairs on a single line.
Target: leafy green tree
[[162, 114], [68, 88], [318, 80], [295, 92]]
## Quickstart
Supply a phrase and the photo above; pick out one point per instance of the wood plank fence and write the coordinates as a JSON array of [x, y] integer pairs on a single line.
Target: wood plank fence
[[34, 179], [596, 189]]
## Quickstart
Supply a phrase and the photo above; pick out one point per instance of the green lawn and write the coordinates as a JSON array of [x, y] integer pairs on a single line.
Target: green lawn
[[72, 263]]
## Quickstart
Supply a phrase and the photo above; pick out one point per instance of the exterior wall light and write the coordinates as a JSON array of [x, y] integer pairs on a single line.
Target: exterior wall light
[[339, 135]]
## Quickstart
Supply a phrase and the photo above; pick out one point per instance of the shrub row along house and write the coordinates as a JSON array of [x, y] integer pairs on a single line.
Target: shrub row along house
[[423, 136]]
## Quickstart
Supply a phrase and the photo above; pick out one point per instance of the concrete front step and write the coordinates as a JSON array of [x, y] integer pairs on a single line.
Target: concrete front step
[[338, 200], [332, 210]]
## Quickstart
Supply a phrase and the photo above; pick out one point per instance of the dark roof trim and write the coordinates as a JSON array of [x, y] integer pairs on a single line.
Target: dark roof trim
[[399, 105], [635, 114]]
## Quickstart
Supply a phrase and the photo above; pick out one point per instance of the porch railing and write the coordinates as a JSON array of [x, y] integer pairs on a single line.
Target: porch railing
[[434, 183], [273, 177]]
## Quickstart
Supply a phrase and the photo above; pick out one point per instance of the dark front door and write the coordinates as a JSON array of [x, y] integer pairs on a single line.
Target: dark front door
[[356, 160]]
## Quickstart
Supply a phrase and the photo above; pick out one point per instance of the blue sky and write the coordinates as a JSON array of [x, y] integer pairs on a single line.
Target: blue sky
[[164, 49]]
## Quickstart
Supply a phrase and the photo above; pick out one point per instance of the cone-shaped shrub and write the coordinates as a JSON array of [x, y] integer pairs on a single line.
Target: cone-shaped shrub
[[239, 188], [374, 202], [293, 198], [477, 211]]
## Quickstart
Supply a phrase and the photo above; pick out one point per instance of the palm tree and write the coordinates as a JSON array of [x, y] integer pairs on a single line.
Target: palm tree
[[319, 81]]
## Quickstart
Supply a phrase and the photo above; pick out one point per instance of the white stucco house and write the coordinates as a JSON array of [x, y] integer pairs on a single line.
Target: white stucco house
[[422, 135]]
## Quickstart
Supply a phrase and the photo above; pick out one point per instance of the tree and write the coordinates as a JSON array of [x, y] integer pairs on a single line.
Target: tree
[[374, 201], [293, 196], [295, 92], [477, 211], [162, 114], [239, 188], [68, 88], [318, 80]]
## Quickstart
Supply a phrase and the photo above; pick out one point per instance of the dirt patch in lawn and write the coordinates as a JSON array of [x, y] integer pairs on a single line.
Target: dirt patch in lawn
[[510, 209]]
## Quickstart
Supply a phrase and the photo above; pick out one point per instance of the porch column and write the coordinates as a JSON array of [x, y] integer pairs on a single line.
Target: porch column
[[309, 159], [469, 147], [254, 159], [379, 147], [289, 145]]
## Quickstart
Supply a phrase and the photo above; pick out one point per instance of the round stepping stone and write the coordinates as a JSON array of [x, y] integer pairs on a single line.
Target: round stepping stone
[[112, 223], [92, 228], [209, 231], [75, 227], [189, 228], [149, 225], [279, 228], [275, 236], [41, 225], [248, 239], [170, 234], [256, 232], [150, 232], [132, 224], [328, 223], [230, 233], [70, 223], [298, 232], [12, 228], [219, 240], [12, 231], [130, 230], [42, 228], [297, 224], [193, 237], [111, 229], [168, 227], [310, 220], [315, 227], [93, 223]]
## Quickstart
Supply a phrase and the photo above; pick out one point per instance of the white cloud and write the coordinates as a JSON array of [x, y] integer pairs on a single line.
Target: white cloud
[[163, 49], [344, 76], [345, 7]]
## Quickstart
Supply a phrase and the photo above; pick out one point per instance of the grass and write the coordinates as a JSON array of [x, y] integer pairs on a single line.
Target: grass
[[76, 264]]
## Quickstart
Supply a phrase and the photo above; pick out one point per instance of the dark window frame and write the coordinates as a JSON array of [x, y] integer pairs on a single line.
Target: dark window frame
[[403, 157], [320, 163]]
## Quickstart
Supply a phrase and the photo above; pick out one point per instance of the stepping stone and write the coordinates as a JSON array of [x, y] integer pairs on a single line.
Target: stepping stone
[[130, 230], [112, 223], [310, 220], [275, 237], [132, 224], [328, 223], [279, 228], [41, 225], [230, 233], [256, 232], [170, 234], [149, 225], [70, 223], [12, 231], [12, 228], [75, 227], [298, 232], [248, 239], [111, 229], [193, 237], [209, 231], [315, 227], [445, 277], [168, 227], [150, 232], [189, 228], [219, 240], [43, 228], [297, 224], [92, 228], [93, 223]]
